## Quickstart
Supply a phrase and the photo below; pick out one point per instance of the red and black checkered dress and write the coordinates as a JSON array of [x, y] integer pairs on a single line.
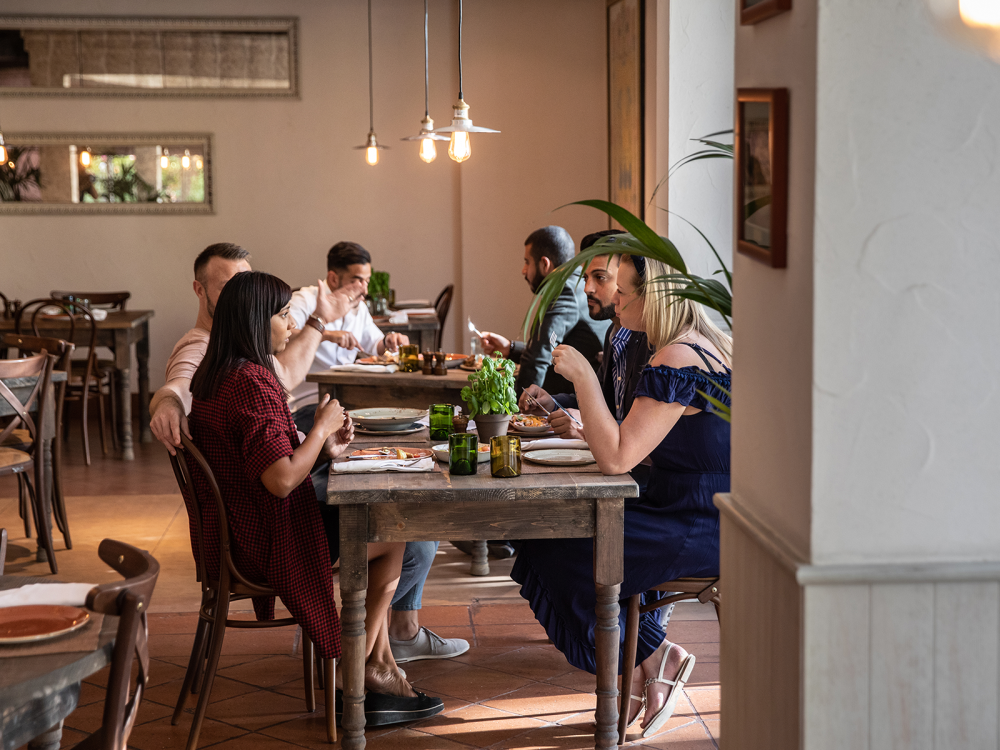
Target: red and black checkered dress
[[244, 429]]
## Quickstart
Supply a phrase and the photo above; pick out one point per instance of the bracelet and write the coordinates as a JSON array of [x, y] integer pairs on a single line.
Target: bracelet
[[314, 322]]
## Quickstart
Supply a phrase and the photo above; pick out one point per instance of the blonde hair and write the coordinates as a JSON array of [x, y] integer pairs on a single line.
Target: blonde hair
[[667, 318]]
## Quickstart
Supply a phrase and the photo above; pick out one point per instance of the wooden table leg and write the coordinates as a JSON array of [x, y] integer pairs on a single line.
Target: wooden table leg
[[142, 357], [480, 558], [609, 567], [123, 379], [353, 588], [49, 740]]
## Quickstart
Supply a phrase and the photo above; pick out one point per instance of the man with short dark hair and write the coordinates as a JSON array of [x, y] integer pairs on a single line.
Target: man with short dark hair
[[213, 267], [566, 320]]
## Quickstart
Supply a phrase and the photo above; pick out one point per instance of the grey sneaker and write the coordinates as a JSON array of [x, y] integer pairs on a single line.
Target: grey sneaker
[[427, 645]]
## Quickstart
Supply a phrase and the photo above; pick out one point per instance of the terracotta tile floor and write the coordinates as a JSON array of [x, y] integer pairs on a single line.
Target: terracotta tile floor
[[511, 690]]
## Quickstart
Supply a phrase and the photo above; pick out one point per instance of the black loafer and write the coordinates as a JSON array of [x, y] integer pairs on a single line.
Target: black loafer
[[382, 710]]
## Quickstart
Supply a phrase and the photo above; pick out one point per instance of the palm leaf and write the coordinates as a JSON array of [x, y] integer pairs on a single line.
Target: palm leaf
[[722, 411]]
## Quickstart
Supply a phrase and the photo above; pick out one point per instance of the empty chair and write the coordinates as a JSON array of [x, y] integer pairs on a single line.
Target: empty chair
[[61, 350], [703, 589], [217, 595], [25, 461], [94, 300], [93, 381], [127, 600], [441, 306]]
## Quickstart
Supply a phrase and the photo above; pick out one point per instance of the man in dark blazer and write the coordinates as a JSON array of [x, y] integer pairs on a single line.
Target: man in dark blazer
[[567, 320]]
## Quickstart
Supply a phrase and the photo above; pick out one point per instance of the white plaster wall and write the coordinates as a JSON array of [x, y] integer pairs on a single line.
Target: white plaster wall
[[907, 360], [701, 72], [288, 183], [772, 315]]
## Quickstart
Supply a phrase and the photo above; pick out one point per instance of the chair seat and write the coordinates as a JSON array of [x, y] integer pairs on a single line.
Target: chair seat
[[13, 461], [19, 439]]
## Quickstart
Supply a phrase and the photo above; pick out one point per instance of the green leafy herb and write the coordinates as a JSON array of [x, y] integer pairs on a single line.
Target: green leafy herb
[[491, 390], [378, 284]]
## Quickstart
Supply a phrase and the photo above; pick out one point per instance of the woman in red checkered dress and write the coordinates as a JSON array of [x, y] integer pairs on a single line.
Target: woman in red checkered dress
[[241, 422]]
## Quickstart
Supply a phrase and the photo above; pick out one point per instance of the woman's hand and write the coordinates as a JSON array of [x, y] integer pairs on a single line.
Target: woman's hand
[[563, 425], [569, 363], [336, 445], [329, 417]]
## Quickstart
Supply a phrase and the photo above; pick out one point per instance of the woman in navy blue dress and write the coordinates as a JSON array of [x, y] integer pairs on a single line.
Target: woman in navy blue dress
[[672, 530]]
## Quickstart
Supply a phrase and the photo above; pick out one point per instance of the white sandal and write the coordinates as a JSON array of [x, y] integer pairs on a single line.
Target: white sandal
[[682, 676], [641, 699]]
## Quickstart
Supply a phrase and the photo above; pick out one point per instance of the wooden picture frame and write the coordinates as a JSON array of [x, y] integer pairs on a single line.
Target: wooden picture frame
[[754, 11], [626, 114], [761, 138]]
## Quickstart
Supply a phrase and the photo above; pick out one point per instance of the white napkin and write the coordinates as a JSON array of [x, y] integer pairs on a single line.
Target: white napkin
[[70, 594], [365, 368], [412, 303], [369, 466], [550, 443], [421, 311], [398, 318]]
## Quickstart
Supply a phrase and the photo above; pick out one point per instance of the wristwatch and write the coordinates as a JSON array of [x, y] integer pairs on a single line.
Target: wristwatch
[[315, 321]]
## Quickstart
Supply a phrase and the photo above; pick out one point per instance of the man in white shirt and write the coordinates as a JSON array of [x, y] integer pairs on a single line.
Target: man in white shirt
[[348, 265]]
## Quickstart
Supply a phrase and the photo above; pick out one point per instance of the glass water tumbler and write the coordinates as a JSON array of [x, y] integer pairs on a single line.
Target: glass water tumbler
[[409, 358], [441, 416], [505, 456], [463, 453]]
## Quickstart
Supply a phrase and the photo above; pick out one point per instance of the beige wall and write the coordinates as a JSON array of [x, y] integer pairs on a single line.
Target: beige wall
[[288, 184], [772, 315]]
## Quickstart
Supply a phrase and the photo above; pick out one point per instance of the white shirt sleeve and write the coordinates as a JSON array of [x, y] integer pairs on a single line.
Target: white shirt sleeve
[[303, 305]]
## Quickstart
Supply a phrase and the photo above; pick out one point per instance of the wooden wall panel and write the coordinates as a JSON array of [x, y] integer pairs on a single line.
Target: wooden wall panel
[[761, 647], [626, 62]]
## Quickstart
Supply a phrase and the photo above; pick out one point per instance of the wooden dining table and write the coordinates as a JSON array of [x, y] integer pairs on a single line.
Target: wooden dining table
[[38, 692], [119, 332], [357, 390], [542, 503]]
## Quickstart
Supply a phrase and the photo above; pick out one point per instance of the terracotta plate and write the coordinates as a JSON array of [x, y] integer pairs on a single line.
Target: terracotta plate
[[390, 453], [36, 622]]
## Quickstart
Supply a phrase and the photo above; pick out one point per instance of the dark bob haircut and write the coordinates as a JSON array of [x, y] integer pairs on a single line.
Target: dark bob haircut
[[241, 329], [345, 254]]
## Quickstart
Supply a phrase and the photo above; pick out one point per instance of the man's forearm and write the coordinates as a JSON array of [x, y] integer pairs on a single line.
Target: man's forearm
[[172, 390], [295, 360]]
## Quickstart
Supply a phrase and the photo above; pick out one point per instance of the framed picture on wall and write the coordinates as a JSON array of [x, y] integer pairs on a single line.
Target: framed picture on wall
[[762, 174], [752, 11]]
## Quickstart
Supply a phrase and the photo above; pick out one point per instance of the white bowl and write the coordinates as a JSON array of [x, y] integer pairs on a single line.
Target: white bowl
[[529, 430], [387, 417]]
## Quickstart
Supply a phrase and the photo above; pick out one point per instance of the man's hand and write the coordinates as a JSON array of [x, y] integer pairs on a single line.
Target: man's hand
[[527, 406], [494, 342], [564, 426], [392, 342], [343, 339], [331, 306], [167, 423], [336, 445]]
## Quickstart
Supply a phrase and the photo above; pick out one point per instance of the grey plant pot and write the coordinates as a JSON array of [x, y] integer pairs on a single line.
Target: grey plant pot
[[491, 425]]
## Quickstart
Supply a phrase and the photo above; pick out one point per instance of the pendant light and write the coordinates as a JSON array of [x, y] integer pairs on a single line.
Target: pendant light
[[461, 144], [428, 152], [973, 23], [372, 145]]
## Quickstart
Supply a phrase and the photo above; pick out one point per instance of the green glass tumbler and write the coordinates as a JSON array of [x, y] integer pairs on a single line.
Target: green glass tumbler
[[463, 453], [409, 358], [505, 456], [441, 416]]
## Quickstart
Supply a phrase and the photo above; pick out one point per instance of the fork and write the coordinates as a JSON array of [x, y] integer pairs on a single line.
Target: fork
[[548, 413]]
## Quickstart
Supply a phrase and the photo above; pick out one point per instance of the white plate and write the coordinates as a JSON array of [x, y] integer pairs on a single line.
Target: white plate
[[544, 427], [386, 418], [559, 457], [408, 430], [441, 453]]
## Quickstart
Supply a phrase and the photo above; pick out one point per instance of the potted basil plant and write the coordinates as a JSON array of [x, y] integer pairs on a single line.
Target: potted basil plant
[[491, 398]]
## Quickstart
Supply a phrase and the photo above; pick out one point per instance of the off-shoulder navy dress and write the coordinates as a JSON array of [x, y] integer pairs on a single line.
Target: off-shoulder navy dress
[[671, 531]]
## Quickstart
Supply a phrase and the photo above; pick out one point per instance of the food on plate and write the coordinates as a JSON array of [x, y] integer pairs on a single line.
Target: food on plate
[[387, 358], [528, 420], [390, 453]]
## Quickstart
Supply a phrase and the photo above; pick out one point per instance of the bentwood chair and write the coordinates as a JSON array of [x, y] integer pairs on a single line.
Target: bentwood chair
[[703, 589], [28, 455], [94, 382], [127, 600], [441, 306], [217, 594], [3, 549], [27, 345]]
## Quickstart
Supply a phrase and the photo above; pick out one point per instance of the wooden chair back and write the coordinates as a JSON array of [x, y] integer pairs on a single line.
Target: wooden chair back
[[182, 473], [128, 600], [27, 345], [39, 367], [30, 317], [441, 306], [3, 549], [114, 301]]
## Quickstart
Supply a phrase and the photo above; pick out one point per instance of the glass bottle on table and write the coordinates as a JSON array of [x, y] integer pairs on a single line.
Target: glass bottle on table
[[440, 418], [463, 454]]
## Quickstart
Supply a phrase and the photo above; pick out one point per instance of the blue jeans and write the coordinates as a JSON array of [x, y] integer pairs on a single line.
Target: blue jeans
[[416, 565]]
